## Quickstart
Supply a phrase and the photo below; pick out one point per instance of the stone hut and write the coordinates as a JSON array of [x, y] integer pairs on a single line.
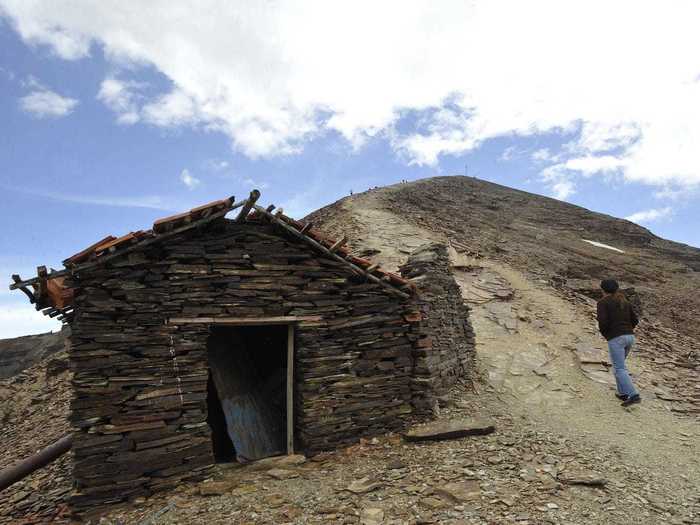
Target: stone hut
[[209, 338]]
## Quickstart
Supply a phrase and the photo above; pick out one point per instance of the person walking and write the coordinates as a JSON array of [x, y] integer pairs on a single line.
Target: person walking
[[616, 322]]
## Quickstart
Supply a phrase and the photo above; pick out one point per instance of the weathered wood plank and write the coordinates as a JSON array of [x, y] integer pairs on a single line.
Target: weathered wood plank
[[245, 321], [290, 389]]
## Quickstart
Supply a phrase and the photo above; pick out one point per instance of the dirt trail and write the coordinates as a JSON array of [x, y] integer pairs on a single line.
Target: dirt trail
[[527, 346], [527, 336]]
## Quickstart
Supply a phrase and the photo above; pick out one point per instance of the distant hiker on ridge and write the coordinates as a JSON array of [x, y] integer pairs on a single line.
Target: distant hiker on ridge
[[616, 321]]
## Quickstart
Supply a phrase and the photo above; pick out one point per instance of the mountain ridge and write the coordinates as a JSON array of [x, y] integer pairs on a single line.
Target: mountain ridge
[[544, 236]]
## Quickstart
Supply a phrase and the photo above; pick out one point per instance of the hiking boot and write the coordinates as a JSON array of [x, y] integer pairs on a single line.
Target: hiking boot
[[632, 400], [621, 397]]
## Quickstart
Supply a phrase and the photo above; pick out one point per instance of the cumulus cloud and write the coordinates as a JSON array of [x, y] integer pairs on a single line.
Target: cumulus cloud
[[172, 109], [44, 103], [563, 189], [188, 179], [432, 79], [121, 98], [560, 181], [652, 215], [542, 155]]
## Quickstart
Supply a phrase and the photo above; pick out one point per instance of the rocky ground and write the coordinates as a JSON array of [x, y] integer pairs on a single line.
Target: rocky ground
[[521, 474], [34, 414], [563, 450]]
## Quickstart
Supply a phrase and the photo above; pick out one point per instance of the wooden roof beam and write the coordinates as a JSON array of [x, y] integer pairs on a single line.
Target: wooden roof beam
[[337, 244], [249, 204], [157, 238], [356, 269], [17, 279]]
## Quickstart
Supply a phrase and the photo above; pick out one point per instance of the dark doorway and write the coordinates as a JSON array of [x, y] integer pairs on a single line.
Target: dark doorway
[[223, 446], [248, 383]]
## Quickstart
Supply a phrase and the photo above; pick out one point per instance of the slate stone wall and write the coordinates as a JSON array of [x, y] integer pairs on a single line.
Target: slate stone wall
[[140, 383], [445, 350]]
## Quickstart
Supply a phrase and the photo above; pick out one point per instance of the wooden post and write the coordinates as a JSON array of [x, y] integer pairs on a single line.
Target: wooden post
[[290, 388], [254, 196]]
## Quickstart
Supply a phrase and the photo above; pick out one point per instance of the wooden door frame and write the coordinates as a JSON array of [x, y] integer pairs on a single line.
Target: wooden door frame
[[290, 388], [290, 322]]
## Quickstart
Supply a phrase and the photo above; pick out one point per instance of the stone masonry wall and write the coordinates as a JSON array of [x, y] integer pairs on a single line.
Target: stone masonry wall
[[445, 351], [140, 385]]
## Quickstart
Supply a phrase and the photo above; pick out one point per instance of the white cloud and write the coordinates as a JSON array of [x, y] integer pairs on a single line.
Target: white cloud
[[17, 315], [541, 155], [260, 185], [674, 194], [508, 153], [120, 97], [188, 179], [44, 103], [216, 164], [563, 189], [559, 180], [600, 136], [590, 165], [172, 109], [274, 75], [650, 215], [155, 202], [17, 319]]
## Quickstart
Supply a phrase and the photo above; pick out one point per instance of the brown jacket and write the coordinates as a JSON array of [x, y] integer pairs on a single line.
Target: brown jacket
[[615, 318]]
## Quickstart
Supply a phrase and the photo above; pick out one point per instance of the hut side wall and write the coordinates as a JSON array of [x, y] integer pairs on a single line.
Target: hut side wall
[[446, 350], [140, 384]]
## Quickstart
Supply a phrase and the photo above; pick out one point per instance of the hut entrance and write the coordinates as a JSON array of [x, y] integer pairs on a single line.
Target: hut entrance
[[249, 391]]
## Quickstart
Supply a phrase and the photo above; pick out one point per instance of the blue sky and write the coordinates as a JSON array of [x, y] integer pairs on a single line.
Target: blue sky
[[107, 124]]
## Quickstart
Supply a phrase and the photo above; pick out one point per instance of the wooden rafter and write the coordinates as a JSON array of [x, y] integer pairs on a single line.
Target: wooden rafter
[[17, 279], [248, 205], [168, 227], [35, 281], [318, 246]]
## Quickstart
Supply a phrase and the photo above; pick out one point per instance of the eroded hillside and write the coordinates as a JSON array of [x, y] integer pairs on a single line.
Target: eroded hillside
[[543, 237], [20, 353]]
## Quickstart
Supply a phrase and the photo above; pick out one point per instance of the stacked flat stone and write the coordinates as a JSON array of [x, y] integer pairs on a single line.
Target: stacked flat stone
[[445, 351], [139, 410]]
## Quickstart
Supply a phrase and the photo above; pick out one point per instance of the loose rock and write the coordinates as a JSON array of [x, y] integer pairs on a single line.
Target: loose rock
[[455, 429]]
